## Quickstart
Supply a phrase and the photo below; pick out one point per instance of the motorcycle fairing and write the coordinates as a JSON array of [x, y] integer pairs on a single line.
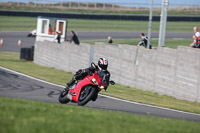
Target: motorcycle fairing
[[75, 92]]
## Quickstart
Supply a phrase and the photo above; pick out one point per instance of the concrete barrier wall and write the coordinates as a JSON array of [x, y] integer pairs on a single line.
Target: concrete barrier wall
[[165, 71], [121, 61], [67, 57], [173, 72], [187, 73]]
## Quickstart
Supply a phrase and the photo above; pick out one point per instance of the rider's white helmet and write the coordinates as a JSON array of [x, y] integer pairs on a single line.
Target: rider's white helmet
[[103, 63]]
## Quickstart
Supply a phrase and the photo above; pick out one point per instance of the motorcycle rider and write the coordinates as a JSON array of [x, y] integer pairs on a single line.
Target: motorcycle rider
[[101, 69]]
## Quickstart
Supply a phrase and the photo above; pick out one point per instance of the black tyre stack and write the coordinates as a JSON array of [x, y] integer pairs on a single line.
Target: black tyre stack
[[27, 53]]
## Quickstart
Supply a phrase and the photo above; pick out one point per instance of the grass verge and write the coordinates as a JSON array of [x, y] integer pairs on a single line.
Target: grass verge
[[11, 61], [29, 23], [22, 116]]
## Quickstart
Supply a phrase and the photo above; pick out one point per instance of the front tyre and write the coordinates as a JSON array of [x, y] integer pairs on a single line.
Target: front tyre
[[63, 97], [86, 94]]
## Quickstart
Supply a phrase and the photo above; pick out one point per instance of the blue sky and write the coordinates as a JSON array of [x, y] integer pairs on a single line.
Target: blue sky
[[127, 2]]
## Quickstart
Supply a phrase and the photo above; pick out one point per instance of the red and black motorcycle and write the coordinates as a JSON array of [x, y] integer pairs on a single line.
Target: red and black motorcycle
[[84, 90]]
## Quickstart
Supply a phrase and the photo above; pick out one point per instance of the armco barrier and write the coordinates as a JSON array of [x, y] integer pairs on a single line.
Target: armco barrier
[[173, 72], [97, 16]]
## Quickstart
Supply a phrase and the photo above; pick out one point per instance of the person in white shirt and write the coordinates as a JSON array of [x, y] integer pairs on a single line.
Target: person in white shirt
[[57, 37], [195, 43]]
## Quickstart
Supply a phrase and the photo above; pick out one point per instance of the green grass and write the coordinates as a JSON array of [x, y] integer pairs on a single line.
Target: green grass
[[22, 116], [81, 11], [17, 23], [29, 23], [11, 61], [170, 43]]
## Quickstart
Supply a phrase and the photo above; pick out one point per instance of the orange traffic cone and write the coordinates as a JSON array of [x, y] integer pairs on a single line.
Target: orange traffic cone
[[19, 42], [1, 41]]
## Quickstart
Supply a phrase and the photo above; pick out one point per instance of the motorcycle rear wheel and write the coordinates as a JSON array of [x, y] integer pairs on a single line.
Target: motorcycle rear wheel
[[86, 94], [63, 97]]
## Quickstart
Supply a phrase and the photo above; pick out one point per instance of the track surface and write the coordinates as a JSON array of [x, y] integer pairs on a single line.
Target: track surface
[[13, 84], [10, 39]]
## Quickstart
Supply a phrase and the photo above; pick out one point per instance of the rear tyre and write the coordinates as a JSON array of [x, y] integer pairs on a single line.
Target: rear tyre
[[63, 97], [86, 94]]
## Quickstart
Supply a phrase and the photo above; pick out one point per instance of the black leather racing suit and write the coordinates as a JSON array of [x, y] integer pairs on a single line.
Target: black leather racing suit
[[82, 73], [75, 39], [144, 42]]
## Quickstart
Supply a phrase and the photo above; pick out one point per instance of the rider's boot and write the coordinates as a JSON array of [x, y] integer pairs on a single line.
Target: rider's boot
[[76, 77], [70, 83]]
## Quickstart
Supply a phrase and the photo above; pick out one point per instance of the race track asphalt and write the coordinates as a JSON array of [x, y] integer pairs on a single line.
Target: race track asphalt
[[13, 84], [10, 39]]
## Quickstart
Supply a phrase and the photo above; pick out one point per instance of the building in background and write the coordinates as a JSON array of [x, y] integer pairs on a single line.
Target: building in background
[[47, 28]]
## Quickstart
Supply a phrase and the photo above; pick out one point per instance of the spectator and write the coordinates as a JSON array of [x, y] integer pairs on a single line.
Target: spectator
[[110, 39], [50, 30], [74, 38], [57, 37], [196, 38], [144, 41]]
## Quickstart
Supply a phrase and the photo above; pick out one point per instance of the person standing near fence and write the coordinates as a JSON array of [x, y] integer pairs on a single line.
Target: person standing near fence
[[57, 37], [144, 41], [74, 38], [196, 38], [110, 39]]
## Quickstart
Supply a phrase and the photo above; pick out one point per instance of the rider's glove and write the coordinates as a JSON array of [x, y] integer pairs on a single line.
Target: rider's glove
[[103, 85]]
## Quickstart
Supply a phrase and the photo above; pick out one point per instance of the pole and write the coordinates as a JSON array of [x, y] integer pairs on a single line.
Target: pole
[[150, 24], [163, 20]]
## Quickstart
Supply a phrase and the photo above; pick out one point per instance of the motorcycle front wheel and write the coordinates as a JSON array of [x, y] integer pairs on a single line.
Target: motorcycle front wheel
[[86, 94], [63, 97]]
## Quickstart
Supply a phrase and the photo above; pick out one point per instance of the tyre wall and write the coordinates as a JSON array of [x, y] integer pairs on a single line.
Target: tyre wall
[[98, 16]]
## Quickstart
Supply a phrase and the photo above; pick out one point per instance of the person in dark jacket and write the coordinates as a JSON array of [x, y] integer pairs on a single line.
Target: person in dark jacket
[[144, 41], [101, 69], [57, 37], [110, 39], [74, 38]]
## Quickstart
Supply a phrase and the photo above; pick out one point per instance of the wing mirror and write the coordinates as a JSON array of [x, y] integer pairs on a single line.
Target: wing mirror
[[94, 65]]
